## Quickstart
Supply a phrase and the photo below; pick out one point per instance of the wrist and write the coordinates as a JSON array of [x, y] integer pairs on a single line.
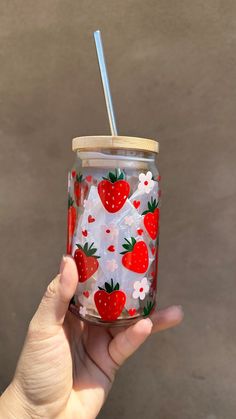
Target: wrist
[[12, 404]]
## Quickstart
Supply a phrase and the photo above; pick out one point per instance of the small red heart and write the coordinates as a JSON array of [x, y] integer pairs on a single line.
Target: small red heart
[[108, 231], [111, 248], [89, 178], [136, 204], [73, 173], [153, 250], [85, 233], [132, 311], [91, 219], [86, 294], [140, 232]]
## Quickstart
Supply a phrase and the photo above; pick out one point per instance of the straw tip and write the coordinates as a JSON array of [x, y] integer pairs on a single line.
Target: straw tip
[[97, 32]]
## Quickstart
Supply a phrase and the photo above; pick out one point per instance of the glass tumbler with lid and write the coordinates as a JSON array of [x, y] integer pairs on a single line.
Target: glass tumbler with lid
[[113, 227]]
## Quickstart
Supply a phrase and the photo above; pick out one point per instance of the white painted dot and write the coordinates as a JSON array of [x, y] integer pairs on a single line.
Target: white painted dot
[[99, 301], [107, 202], [113, 187], [113, 198], [113, 206], [118, 193]]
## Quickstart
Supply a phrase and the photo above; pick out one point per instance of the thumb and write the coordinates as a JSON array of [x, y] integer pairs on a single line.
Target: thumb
[[54, 304]]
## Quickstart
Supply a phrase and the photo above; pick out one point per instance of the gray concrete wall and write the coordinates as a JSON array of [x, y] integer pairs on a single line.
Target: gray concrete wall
[[172, 69]]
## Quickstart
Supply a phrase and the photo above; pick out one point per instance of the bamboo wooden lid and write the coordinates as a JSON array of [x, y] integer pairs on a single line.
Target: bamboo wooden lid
[[114, 142]]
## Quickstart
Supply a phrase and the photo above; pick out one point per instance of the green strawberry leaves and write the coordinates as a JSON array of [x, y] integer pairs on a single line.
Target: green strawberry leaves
[[79, 177], [113, 177], [110, 287], [148, 308], [129, 245], [70, 201], [152, 205], [88, 250]]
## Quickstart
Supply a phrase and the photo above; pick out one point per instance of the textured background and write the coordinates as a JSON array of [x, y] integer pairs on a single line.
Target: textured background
[[172, 69]]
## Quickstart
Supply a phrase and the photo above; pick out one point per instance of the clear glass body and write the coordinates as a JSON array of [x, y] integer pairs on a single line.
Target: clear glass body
[[113, 234]]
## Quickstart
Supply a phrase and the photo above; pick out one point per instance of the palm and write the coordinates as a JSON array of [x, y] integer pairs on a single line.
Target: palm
[[67, 367], [68, 370], [92, 367]]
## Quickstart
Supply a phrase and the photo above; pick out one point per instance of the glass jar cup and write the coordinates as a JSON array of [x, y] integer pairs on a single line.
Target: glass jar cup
[[113, 227]]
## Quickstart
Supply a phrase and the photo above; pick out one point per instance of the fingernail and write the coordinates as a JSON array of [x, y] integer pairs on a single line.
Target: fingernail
[[63, 263], [180, 308], [148, 320], [176, 311]]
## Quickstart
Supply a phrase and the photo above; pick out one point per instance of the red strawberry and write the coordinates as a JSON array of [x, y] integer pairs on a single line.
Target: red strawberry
[[89, 178], [111, 248], [140, 232], [135, 256], [91, 219], [86, 294], [86, 261], [73, 173], [109, 301], [151, 218], [113, 191], [136, 204], [80, 189], [132, 311], [71, 221]]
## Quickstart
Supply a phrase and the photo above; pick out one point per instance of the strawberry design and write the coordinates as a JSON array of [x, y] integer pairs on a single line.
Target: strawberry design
[[148, 308], [111, 248], [86, 261], [71, 221], [136, 204], [132, 311], [153, 250], [135, 256], [80, 188], [109, 301], [113, 191], [151, 218], [91, 219]]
